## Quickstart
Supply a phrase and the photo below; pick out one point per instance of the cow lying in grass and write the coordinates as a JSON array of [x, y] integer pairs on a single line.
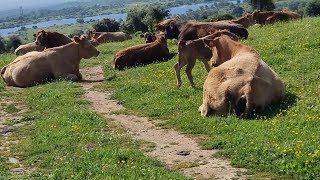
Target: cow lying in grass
[[269, 17], [50, 39], [25, 48], [142, 54], [243, 83], [245, 21], [148, 36], [190, 51], [103, 37], [54, 63]]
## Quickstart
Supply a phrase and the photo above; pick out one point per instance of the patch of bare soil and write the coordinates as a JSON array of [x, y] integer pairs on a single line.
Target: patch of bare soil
[[176, 150], [11, 117]]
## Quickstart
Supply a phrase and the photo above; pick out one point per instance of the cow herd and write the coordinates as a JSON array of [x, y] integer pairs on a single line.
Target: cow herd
[[240, 81]]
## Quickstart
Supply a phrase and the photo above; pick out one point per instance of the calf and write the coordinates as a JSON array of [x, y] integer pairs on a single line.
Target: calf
[[23, 49], [191, 50], [142, 54], [244, 83], [53, 63]]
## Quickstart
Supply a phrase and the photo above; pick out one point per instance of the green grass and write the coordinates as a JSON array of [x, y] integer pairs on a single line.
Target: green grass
[[282, 143], [69, 141], [283, 140]]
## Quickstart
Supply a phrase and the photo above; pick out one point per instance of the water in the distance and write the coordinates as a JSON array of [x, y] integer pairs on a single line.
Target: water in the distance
[[173, 11]]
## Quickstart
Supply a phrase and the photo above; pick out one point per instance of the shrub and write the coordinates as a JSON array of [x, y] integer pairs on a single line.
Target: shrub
[[313, 8], [107, 25]]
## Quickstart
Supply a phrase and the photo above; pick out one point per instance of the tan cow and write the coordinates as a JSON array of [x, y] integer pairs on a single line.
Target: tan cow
[[103, 37], [142, 54], [244, 83], [191, 50], [54, 63], [25, 48], [245, 21]]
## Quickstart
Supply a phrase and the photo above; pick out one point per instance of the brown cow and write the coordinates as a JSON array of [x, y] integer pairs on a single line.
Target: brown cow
[[190, 51], [243, 83], [245, 21], [196, 30], [53, 63], [142, 54], [269, 17], [23, 49], [50, 39]]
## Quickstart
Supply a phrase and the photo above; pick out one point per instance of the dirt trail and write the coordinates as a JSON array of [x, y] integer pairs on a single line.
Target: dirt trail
[[11, 117], [174, 149]]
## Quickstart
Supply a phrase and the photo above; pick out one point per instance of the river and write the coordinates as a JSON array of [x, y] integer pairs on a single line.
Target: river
[[173, 11]]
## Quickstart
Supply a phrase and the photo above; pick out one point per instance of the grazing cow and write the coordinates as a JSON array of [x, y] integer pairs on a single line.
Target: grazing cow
[[148, 36], [50, 39], [269, 17], [191, 50], [54, 63], [244, 83], [103, 37], [25, 48], [142, 54]]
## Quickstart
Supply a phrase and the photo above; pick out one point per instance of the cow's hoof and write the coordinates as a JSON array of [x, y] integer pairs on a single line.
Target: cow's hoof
[[178, 85]]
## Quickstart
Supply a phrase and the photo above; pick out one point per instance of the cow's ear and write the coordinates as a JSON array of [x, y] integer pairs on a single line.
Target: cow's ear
[[172, 24], [76, 39]]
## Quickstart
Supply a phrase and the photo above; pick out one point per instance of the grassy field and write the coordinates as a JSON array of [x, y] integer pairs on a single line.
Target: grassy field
[[282, 142]]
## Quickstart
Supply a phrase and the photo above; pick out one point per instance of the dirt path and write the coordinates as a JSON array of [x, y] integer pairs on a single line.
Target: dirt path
[[176, 150], [11, 117]]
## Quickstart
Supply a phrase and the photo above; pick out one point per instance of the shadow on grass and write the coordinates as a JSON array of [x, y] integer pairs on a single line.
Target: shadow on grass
[[271, 111], [91, 81]]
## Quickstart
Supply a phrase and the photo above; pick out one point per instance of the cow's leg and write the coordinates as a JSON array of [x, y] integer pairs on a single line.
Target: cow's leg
[[189, 68], [178, 67], [206, 65]]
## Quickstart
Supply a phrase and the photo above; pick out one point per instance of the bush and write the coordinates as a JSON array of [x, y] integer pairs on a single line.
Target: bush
[[2, 46], [313, 8], [76, 32], [221, 17], [13, 43], [106, 25]]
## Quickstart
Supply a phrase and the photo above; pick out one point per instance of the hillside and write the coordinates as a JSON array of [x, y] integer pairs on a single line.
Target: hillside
[[281, 143]]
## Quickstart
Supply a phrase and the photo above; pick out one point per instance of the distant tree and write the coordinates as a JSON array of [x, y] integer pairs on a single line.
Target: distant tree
[[2, 46], [80, 20], [13, 43], [154, 15], [221, 17], [262, 4], [238, 11], [76, 32], [313, 8], [106, 25]]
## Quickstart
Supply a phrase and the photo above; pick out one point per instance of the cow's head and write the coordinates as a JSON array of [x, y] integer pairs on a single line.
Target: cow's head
[[149, 37], [86, 49], [41, 37]]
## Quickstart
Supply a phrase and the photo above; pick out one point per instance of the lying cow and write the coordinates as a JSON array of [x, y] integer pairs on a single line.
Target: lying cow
[[142, 54], [50, 39], [243, 83], [55, 63], [269, 17], [25, 48], [103, 37], [245, 21]]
